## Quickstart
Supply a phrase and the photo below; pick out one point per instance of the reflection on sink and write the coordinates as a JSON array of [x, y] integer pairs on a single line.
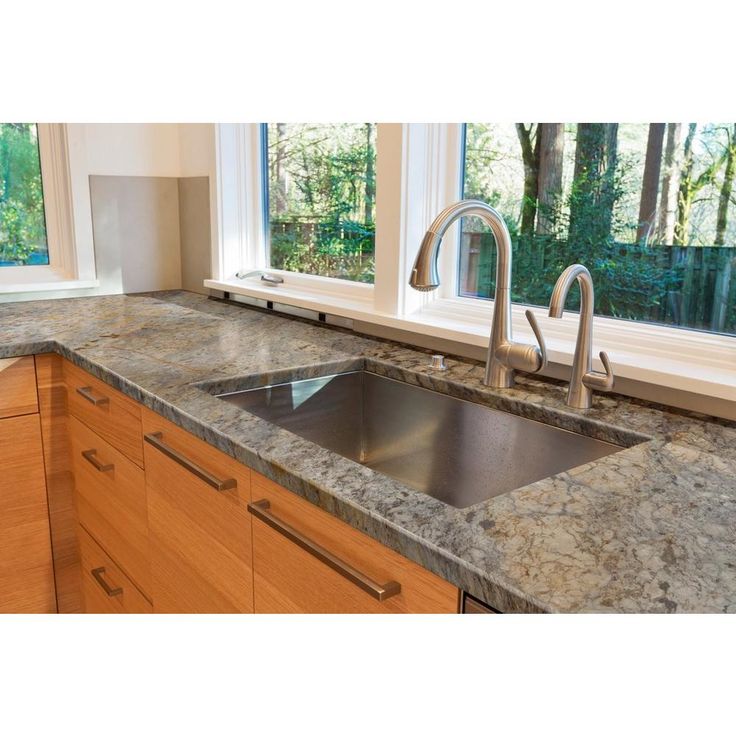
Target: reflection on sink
[[459, 452]]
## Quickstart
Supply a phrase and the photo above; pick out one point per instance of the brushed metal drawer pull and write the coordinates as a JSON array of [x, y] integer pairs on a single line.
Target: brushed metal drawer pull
[[97, 574], [91, 457], [156, 439], [380, 592], [86, 393]]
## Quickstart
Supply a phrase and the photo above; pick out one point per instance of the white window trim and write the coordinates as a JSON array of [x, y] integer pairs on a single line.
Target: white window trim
[[70, 266], [417, 176]]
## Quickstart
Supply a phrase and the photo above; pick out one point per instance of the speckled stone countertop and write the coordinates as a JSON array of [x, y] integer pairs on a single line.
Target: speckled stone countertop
[[649, 529]]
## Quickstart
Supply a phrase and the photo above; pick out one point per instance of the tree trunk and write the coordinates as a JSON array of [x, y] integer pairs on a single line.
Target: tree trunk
[[684, 196], [278, 174], [650, 182], [594, 185], [551, 138], [726, 189], [530, 157], [689, 186], [370, 182], [670, 184]]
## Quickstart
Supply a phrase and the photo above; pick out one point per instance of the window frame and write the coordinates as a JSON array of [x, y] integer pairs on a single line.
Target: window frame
[[419, 171], [71, 265]]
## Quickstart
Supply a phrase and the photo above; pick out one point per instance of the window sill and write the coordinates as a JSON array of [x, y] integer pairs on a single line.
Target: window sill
[[684, 360], [44, 286]]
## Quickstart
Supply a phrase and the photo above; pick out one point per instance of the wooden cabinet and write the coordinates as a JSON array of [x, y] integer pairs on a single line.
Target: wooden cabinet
[[59, 481], [17, 387], [26, 569], [145, 517], [105, 587], [307, 561], [199, 525], [109, 413], [111, 501]]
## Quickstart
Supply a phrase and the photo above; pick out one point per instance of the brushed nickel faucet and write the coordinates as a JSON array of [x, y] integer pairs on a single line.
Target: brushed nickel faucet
[[504, 355], [584, 379]]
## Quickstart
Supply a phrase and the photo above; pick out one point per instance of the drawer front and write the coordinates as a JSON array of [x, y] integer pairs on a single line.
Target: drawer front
[[17, 387], [110, 496], [105, 587], [26, 568], [200, 536], [114, 416], [307, 561]]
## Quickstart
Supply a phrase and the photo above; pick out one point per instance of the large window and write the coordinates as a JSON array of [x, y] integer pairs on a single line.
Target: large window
[[322, 198], [23, 240], [650, 209]]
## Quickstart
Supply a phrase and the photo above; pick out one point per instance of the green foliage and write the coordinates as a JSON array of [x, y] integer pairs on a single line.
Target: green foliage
[[22, 223], [322, 199]]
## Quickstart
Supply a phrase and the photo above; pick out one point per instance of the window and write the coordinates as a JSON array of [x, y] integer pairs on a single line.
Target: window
[[322, 198], [23, 240], [650, 209]]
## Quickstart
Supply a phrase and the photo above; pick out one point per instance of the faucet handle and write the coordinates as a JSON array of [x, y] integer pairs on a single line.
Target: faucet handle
[[532, 319], [600, 381], [521, 356]]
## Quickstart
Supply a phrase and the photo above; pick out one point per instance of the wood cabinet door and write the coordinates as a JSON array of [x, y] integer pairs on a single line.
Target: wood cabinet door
[[26, 567], [17, 387], [110, 492], [301, 555], [200, 537], [105, 587]]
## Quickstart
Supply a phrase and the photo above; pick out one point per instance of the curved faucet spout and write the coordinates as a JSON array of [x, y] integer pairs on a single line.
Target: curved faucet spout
[[503, 355], [562, 288], [424, 275], [584, 378]]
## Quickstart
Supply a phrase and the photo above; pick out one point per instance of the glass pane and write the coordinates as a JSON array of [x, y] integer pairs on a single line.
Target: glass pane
[[22, 221], [322, 198], [650, 209]]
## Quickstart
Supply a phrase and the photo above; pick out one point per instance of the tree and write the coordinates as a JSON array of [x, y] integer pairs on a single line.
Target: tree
[[22, 221], [369, 195], [650, 182], [551, 137], [594, 183], [670, 184], [691, 185], [529, 139], [726, 188]]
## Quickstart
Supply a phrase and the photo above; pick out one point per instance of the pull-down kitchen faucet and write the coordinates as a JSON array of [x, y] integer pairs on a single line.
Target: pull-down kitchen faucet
[[584, 379], [504, 355]]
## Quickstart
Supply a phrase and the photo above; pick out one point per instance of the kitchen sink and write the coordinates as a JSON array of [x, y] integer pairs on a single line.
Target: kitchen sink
[[454, 450]]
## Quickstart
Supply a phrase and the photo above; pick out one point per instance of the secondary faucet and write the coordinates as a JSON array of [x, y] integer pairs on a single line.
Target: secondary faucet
[[504, 355], [584, 379]]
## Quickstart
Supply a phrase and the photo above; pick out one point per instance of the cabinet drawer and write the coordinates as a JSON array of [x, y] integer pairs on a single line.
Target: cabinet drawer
[[105, 587], [200, 536], [110, 495], [289, 578], [17, 387], [114, 416]]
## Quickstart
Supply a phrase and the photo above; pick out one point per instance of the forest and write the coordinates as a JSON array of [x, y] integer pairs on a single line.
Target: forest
[[322, 198], [648, 208], [22, 220]]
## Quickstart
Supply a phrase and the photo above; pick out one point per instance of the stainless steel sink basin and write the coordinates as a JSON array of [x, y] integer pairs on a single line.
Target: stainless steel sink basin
[[459, 452]]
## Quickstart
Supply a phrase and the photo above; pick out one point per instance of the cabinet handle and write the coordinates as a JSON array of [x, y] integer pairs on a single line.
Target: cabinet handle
[[97, 574], [156, 439], [86, 393], [380, 592], [91, 457]]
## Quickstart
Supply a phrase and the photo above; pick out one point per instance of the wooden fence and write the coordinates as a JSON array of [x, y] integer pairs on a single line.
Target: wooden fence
[[696, 287]]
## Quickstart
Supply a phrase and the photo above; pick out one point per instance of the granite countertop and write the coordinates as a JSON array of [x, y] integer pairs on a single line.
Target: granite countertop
[[651, 528]]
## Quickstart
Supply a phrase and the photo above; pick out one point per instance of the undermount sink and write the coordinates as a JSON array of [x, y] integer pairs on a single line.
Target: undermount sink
[[454, 450]]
